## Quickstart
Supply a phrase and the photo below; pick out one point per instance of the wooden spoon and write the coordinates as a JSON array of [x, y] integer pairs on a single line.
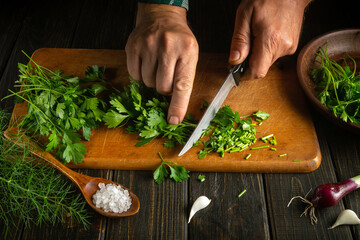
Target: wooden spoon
[[88, 185]]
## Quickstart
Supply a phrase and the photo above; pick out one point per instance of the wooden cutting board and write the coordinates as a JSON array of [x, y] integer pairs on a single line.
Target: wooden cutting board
[[278, 94]]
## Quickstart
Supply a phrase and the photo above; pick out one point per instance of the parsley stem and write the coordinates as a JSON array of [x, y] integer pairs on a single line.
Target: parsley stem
[[248, 156], [282, 155], [242, 193], [268, 136], [260, 147]]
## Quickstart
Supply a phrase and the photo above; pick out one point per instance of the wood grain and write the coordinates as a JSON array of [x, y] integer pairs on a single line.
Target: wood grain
[[227, 215], [212, 23], [277, 94]]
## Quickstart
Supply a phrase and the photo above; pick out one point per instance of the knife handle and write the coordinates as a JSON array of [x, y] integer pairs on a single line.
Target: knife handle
[[238, 70]]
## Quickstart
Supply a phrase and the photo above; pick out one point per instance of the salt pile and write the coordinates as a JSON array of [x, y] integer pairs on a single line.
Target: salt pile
[[112, 198]]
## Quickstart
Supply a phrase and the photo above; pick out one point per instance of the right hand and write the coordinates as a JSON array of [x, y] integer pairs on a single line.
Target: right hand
[[163, 52]]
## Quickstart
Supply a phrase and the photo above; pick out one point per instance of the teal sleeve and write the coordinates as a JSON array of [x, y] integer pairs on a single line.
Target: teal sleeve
[[180, 3]]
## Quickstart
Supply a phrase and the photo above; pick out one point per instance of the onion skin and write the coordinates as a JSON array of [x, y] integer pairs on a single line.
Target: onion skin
[[328, 195]]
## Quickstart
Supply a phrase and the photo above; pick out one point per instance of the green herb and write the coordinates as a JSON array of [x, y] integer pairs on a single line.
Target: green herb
[[178, 173], [296, 160], [273, 141], [228, 132], [242, 193], [248, 156], [268, 136], [58, 107], [337, 87], [262, 115], [33, 192], [201, 178], [282, 155], [204, 105], [260, 147], [273, 149], [144, 111]]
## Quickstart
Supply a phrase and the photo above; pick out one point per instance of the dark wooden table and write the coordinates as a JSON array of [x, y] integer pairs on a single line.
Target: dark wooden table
[[259, 214]]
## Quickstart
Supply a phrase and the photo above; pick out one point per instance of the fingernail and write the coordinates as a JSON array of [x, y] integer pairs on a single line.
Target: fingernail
[[173, 120], [234, 55]]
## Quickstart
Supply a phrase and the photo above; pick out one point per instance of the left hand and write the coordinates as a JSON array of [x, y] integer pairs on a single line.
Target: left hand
[[270, 28]]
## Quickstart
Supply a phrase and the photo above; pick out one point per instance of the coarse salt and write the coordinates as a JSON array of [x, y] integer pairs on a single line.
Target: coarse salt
[[112, 198]]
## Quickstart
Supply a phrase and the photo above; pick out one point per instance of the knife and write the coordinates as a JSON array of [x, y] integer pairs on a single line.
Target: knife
[[232, 80]]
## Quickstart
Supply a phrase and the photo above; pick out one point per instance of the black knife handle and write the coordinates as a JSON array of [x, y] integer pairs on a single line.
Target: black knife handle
[[238, 70]]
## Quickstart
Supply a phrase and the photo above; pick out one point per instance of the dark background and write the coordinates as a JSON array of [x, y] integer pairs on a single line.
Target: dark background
[[261, 213]]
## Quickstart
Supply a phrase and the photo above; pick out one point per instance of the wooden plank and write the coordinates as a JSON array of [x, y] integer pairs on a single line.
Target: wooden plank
[[278, 94], [345, 151], [105, 24], [11, 20], [286, 223], [73, 231], [162, 212], [43, 28], [227, 216]]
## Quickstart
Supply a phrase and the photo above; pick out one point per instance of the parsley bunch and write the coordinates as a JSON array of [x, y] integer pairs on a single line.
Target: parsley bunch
[[59, 107], [229, 132], [144, 111], [338, 87]]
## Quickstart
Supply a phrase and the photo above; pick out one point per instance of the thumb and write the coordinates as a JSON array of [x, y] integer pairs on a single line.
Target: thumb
[[240, 43]]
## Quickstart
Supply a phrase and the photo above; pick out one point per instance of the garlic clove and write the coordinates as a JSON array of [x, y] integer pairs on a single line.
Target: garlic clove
[[346, 217], [200, 203]]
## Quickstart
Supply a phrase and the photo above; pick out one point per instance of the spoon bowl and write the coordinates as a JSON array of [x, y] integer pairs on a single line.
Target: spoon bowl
[[87, 185]]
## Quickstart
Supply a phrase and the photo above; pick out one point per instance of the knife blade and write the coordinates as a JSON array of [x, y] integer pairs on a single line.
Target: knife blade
[[232, 80]]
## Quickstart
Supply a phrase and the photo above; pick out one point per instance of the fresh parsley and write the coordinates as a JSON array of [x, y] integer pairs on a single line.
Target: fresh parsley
[[338, 87], [144, 111], [228, 132], [177, 173], [201, 177], [60, 108]]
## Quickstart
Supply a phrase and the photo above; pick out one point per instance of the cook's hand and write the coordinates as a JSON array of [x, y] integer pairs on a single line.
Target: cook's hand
[[163, 52], [270, 28]]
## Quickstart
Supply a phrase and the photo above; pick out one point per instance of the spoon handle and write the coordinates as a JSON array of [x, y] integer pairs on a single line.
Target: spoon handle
[[21, 139]]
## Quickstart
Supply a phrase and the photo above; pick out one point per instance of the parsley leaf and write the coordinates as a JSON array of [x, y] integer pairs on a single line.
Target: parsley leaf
[[144, 111], [178, 173], [262, 115]]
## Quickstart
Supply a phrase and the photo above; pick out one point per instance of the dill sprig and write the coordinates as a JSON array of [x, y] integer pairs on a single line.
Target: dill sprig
[[33, 192]]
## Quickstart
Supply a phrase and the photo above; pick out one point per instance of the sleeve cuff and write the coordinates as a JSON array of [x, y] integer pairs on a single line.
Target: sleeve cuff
[[179, 3]]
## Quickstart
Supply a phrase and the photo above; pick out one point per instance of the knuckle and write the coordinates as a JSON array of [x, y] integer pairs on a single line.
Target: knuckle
[[190, 44], [239, 38], [150, 41], [168, 42], [183, 85]]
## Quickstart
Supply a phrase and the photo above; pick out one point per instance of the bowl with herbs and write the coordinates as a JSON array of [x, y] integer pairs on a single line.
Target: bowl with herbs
[[328, 68]]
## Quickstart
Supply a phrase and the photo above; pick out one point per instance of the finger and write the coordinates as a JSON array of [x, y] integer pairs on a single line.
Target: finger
[[240, 43], [133, 63], [183, 83], [262, 56], [148, 69], [165, 75]]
